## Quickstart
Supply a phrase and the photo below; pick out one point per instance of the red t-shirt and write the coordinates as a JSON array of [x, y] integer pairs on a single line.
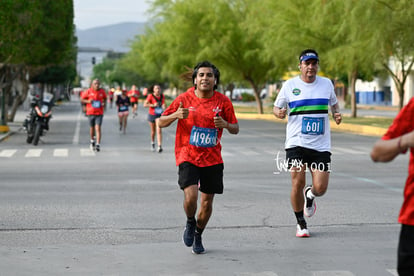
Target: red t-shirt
[[151, 99], [404, 123], [96, 107], [133, 95], [197, 140]]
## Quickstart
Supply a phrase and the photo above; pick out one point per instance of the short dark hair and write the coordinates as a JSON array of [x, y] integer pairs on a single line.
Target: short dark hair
[[208, 64]]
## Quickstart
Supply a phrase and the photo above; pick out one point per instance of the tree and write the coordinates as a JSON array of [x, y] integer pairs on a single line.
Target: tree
[[190, 31], [237, 46], [330, 29], [393, 31], [351, 48], [34, 35]]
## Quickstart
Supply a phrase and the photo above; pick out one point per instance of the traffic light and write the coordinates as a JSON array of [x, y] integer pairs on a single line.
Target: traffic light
[[93, 60]]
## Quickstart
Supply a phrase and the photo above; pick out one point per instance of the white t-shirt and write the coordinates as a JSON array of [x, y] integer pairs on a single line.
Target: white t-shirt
[[308, 109]]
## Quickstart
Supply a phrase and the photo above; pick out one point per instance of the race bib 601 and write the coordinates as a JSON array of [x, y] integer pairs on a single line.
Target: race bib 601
[[313, 126]]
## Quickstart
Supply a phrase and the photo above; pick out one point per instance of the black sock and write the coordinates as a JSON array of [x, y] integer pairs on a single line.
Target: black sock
[[191, 219], [300, 219], [199, 230]]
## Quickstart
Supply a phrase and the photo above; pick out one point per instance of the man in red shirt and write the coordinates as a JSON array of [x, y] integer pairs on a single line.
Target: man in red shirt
[[202, 115], [398, 139], [94, 98], [133, 96]]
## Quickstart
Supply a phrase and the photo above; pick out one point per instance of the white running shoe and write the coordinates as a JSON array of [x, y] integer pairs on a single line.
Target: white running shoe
[[92, 145], [309, 207], [302, 233]]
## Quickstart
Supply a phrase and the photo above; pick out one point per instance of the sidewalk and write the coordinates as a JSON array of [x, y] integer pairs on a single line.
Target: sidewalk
[[17, 125], [13, 128]]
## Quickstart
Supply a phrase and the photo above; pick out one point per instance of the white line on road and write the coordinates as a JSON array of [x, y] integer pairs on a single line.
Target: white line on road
[[332, 273], [75, 140], [33, 153], [393, 272], [61, 153], [7, 153], [264, 273], [87, 152]]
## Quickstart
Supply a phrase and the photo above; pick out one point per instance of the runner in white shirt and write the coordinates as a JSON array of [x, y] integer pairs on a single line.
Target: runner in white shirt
[[306, 99]]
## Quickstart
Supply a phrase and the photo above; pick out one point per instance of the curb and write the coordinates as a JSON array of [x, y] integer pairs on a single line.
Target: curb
[[12, 130], [343, 127]]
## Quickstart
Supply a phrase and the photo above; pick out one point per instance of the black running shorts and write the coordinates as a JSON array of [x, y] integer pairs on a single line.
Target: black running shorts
[[95, 120], [209, 179], [315, 160]]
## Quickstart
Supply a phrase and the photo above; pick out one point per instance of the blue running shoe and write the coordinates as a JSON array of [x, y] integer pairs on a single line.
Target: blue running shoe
[[188, 237], [198, 247]]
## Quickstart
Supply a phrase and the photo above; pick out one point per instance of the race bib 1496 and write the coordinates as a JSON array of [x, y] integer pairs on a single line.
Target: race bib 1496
[[203, 137]]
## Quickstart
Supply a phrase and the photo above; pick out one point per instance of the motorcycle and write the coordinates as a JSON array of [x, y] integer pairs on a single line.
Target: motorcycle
[[38, 119]]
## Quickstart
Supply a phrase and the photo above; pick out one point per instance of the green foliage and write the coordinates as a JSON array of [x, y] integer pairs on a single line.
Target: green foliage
[[247, 97], [38, 35], [36, 32], [55, 75], [257, 43]]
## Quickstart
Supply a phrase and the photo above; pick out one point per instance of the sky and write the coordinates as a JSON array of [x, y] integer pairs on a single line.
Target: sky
[[96, 13]]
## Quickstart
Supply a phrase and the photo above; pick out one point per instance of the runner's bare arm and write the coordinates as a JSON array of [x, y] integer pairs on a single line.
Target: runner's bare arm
[[336, 114], [387, 150], [221, 123], [180, 113], [279, 112]]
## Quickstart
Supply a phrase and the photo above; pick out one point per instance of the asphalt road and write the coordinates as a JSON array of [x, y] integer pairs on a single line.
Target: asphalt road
[[68, 211]]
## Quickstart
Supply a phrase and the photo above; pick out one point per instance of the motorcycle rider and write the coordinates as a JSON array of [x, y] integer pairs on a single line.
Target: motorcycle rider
[[39, 116], [94, 98]]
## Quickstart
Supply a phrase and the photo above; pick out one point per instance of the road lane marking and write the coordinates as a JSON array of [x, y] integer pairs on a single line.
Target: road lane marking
[[371, 181], [33, 153], [393, 272], [264, 273], [333, 273], [7, 153], [339, 150], [226, 153], [87, 152], [75, 139], [61, 153]]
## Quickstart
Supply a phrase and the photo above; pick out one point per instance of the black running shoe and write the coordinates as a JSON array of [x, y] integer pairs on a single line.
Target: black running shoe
[[198, 247], [188, 237]]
